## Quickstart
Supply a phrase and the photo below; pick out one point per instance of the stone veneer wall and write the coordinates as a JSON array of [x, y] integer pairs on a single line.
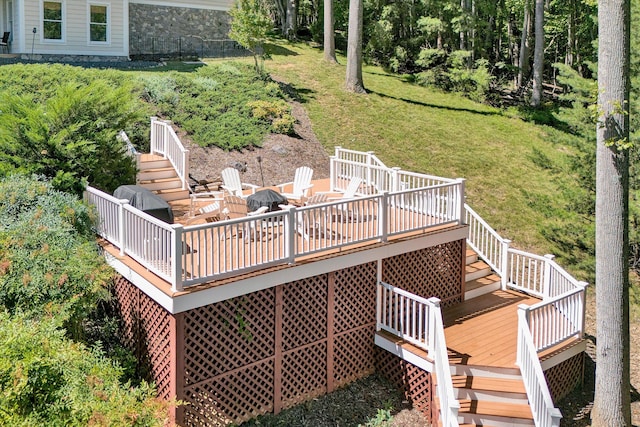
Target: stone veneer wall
[[177, 31]]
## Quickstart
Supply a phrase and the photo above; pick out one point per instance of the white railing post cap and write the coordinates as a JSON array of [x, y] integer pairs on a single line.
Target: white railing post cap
[[550, 256], [435, 301]]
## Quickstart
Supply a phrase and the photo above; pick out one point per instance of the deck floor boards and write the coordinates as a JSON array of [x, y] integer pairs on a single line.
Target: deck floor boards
[[483, 330]]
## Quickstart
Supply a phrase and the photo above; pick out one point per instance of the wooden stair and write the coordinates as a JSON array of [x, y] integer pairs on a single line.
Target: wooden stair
[[158, 175], [479, 279], [490, 396]]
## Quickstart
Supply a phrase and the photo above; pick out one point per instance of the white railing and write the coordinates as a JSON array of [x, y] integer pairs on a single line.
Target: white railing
[[556, 320], [485, 241], [376, 177], [419, 321], [559, 317], [166, 143], [545, 414], [151, 242], [196, 254]]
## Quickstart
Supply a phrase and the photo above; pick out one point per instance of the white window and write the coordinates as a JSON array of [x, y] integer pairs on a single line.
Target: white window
[[98, 23], [52, 20]]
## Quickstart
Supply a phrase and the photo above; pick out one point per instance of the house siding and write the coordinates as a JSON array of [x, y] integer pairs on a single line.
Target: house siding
[[75, 31]]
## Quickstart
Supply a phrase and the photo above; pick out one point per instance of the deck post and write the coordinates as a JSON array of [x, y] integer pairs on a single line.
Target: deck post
[[369, 157], [383, 221], [176, 256], [121, 225], [333, 164], [584, 306], [153, 136], [523, 321], [556, 416], [546, 280], [290, 226], [504, 273], [434, 309], [395, 182], [461, 197]]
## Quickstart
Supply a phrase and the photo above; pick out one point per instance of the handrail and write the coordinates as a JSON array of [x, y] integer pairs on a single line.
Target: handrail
[[418, 321], [324, 227], [555, 320], [165, 142], [545, 414], [449, 406], [487, 243]]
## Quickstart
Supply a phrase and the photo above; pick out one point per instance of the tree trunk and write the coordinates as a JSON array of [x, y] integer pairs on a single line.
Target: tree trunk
[[538, 55], [291, 20], [354, 81], [612, 394], [329, 33], [523, 61]]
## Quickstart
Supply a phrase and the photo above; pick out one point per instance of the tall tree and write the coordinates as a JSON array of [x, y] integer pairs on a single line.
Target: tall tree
[[523, 60], [354, 81], [329, 36], [292, 20], [612, 406], [538, 55]]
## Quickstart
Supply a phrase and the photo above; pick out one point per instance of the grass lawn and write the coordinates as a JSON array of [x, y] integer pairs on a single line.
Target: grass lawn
[[516, 173]]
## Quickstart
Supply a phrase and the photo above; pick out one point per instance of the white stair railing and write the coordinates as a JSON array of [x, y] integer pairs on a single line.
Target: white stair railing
[[419, 321], [545, 414], [166, 143]]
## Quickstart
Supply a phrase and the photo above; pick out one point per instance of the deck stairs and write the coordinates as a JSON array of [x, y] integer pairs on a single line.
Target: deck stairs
[[479, 277], [156, 173], [488, 395]]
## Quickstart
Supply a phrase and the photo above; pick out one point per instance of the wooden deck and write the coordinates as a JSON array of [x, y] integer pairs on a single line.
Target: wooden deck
[[483, 331]]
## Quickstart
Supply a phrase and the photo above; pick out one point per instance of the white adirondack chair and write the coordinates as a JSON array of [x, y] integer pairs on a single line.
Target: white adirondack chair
[[301, 184], [236, 207], [350, 192], [233, 185]]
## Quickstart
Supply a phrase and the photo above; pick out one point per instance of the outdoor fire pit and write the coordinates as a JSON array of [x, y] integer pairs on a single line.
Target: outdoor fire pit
[[269, 198]]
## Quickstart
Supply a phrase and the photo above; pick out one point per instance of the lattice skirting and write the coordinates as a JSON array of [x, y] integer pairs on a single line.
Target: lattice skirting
[[564, 377], [273, 349], [416, 384], [437, 271], [146, 331]]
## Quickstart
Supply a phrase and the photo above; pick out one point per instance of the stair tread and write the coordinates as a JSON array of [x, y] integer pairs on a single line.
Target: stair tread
[[170, 190], [148, 157], [482, 281], [488, 384], [497, 409], [476, 266], [160, 180], [160, 169]]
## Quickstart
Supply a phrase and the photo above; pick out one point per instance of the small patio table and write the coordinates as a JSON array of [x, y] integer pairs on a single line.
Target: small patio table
[[267, 197]]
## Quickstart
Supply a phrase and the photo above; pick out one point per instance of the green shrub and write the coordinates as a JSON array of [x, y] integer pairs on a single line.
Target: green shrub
[[212, 105], [48, 380], [70, 137], [49, 261], [278, 113]]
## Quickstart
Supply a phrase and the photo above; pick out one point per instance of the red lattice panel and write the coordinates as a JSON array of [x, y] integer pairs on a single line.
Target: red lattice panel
[[126, 303], [231, 398], [353, 355], [146, 332], [304, 374], [156, 343], [228, 335], [564, 377], [430, 272], [304, 312], [355, 297], [414, 382]]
